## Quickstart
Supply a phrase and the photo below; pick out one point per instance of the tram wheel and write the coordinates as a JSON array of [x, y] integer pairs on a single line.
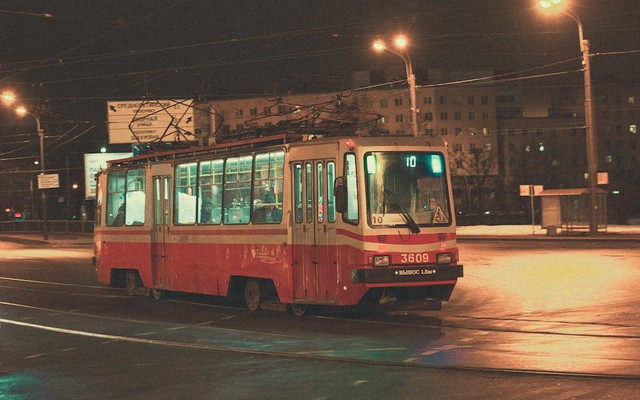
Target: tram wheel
[[252, 294], [299, 310], [157, 294], [132, 283]]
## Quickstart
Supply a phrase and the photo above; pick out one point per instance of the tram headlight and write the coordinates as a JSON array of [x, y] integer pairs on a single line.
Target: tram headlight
[[381, 261], [444, 258]]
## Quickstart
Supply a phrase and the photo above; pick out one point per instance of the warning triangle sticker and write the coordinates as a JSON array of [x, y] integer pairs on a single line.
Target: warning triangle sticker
[[439, 217]]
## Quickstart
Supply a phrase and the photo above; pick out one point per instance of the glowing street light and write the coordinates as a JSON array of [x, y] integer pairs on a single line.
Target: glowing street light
[[592, 157], [8, 97], [401, 43]]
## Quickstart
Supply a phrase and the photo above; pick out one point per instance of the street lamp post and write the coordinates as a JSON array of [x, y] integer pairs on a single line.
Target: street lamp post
[[401, 43], [22, 111], [592, 157]]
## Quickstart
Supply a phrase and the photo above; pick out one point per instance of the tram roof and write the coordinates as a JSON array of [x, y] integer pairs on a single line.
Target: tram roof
[[261, 142]]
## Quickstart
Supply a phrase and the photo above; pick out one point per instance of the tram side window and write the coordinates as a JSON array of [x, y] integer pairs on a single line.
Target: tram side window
[[331, 197], [268, 180], [135, 195], [210, 192], [115, 198], [297, 191], [237, 190], [352, 188], [185, 196]]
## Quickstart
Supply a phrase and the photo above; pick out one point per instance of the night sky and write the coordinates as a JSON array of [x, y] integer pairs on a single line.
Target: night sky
[[71, 56]]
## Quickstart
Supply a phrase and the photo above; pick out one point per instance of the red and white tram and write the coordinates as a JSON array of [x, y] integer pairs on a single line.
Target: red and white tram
[[331, 221]]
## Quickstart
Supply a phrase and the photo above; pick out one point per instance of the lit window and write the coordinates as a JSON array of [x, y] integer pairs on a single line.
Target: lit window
[[633, 128], [632, 100], [608, 159], [487, 147]]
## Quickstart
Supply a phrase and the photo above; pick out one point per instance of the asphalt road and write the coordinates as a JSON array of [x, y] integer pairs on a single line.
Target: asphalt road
[[553, 320]]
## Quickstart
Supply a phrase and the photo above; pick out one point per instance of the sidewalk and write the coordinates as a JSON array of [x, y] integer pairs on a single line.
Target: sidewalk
[[55, 239], [525, 232], [630, 233]]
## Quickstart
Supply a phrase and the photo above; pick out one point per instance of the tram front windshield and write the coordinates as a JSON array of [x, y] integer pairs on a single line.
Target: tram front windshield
[[406, 189]]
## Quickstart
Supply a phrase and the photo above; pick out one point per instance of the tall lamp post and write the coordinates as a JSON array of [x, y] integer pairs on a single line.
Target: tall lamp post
[[592, 157], [21, 111], [401, 43]]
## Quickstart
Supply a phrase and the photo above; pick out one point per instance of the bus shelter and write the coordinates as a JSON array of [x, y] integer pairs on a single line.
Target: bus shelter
[[567, 210]]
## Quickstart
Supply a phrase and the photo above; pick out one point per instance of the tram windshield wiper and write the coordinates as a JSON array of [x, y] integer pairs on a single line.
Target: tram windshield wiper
[[413, 227]]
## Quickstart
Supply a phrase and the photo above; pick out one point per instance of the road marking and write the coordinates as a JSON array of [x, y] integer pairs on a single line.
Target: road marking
[[104, 296], [388, 349], [3, 278], [145, 334], [175, 328], [205, 323], [141, 321], [35, 356], [68, 349]]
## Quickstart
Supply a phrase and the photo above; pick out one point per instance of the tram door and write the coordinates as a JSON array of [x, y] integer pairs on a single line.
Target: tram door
[[314, 250], [160, 233]]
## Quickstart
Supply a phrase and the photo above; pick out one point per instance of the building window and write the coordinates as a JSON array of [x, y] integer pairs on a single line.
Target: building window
[[485, 115], [457, 115], [485, 100], [444, 131], [398, 117], [472, 131], [427, 100], [471, 100], [618, 99], [472, 116], [632, 114], [384, 103], [443, 99], [633, 129], [398, 102], [631, 100], [487, 147], [458, 131], [428, 132], [619, 129], [457, 147], [608, 159], [472, 146], [512, 147], [443, 116], [458, 164], [253, 111], [428, 116], [618, 114]]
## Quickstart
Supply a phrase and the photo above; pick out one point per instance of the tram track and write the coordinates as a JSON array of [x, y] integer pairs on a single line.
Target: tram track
[[444, 323], [309, 356], [320, 354]]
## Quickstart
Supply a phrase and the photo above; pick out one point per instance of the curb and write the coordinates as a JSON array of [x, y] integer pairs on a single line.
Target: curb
[[625, 238], [42, 242]]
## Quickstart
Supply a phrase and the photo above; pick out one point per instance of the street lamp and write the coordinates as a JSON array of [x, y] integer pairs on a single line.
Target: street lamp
[[401, 43], [592, 157], [22, 111]]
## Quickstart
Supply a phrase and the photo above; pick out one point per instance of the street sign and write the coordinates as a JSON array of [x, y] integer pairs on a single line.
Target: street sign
[[48, 181], [149, 120], [94, 162], [529, 190]]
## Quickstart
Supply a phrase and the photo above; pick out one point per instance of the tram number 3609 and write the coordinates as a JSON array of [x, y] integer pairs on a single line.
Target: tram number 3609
[[407, 258]]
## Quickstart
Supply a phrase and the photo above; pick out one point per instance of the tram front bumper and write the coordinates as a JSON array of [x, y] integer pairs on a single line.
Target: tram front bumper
[[425, 273]]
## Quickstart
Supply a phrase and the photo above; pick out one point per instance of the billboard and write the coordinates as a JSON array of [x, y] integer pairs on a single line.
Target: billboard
[[145, 121], [94, 162]]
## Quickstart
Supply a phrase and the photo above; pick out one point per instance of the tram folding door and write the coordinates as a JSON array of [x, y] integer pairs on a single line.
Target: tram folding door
[[314, 248], [160, 232]]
